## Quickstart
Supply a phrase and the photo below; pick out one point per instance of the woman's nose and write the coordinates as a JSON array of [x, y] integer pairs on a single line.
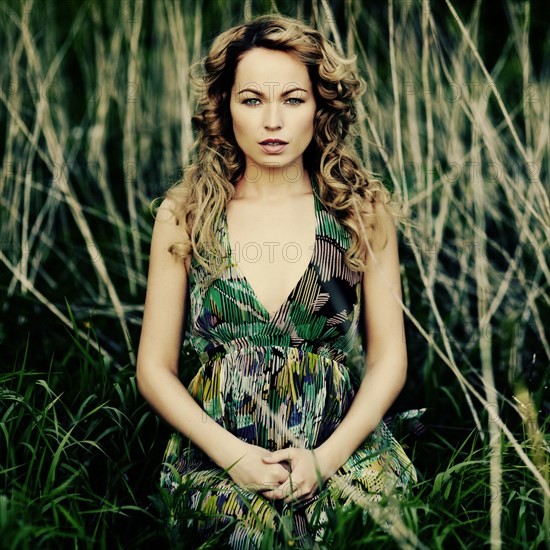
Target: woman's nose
[[272, 116]]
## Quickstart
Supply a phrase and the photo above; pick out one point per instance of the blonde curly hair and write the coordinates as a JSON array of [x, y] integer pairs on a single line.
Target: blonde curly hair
[[217, 163]]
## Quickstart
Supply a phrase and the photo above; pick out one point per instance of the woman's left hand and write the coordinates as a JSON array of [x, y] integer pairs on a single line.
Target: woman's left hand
[[302, 482]]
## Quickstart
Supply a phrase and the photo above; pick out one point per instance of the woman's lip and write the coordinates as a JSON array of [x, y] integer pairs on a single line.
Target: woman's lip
[[273, 149]]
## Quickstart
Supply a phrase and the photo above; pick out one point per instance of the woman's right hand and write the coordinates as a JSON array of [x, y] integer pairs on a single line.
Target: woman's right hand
[[251, 473]]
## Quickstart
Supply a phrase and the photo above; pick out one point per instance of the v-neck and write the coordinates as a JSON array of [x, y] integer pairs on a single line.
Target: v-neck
[[235, 265]]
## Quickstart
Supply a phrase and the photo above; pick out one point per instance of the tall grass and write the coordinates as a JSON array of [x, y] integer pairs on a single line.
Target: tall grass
[[76, 442], [95, 114]]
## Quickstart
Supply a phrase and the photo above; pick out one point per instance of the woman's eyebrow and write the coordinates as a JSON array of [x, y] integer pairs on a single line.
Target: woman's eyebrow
[[296, 89]]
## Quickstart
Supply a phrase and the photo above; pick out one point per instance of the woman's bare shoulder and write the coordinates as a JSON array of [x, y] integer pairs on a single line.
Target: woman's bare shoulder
[[166, 213], [383, 221], [168, 228]]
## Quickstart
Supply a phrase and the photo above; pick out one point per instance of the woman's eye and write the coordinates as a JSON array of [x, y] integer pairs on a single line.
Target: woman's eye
[[246, 101], [297, 100]]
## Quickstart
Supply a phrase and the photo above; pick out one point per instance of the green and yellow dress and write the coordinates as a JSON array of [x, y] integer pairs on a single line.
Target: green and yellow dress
[[277, 381]]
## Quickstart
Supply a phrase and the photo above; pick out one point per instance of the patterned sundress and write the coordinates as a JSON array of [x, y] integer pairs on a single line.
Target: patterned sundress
[[277, 381]]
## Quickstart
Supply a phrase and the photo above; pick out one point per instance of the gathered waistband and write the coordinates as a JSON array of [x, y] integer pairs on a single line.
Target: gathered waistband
[[213, 353], [282, 351], [221, 350]]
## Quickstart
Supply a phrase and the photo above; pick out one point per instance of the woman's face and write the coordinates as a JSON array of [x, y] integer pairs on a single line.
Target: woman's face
[[272, 98]]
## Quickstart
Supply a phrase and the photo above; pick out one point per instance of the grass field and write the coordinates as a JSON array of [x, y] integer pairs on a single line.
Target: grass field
[[95, 114]]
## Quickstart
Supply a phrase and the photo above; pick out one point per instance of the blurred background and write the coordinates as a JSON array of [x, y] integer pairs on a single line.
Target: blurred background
[[95, 123]]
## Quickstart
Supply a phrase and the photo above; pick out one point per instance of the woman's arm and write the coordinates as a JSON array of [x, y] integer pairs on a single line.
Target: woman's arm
[[386, 358], [386, 366], [158, 358]]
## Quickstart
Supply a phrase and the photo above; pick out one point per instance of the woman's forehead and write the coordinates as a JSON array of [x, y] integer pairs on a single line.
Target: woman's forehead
[[263, 68]]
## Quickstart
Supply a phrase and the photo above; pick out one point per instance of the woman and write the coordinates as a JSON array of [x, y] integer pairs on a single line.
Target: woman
[[302, 254]]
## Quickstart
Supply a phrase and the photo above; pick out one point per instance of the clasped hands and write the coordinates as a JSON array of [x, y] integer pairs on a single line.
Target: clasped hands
[[289, 474]]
